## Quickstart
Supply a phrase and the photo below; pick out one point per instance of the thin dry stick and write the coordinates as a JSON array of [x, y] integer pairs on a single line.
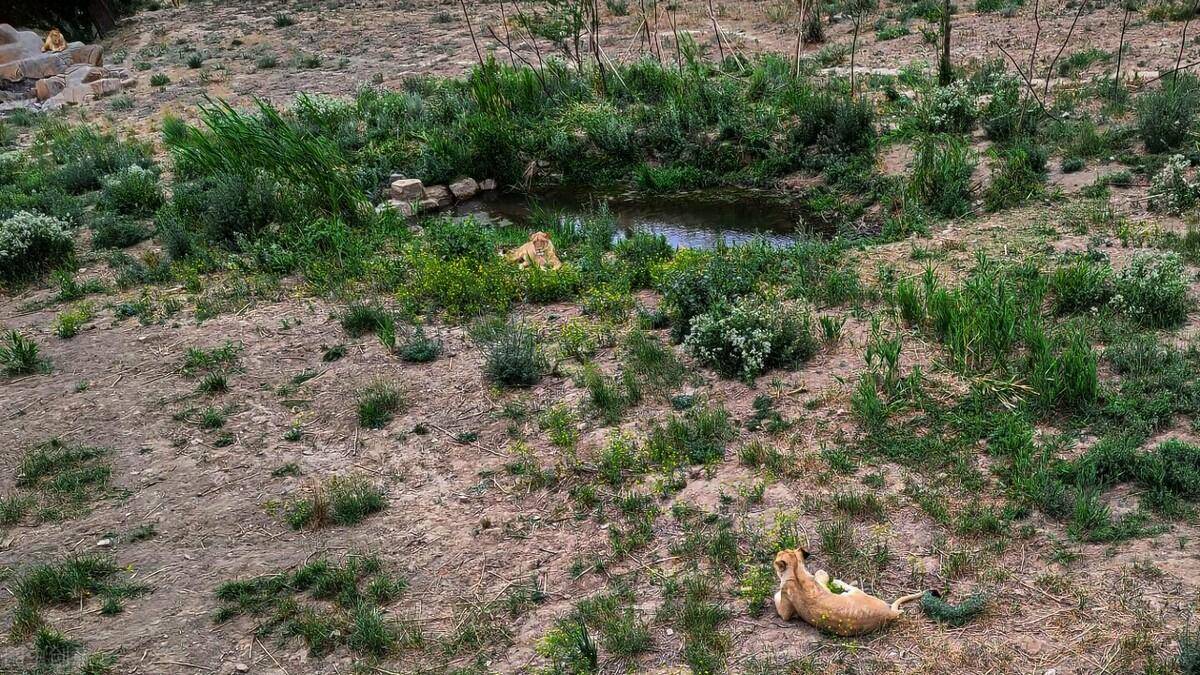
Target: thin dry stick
[[537, 50], [471, 29], [507, 37], [1160, 76], [1121, 45], [594, 38], [1050, 70], [537, 72], [1183, 40], [675, 30], [657, 41], [716, 29], [800, 35], [1025, 78]]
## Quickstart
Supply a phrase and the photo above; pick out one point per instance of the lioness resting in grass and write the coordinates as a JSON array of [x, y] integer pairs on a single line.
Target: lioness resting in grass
[[539, 250], [849, 611]]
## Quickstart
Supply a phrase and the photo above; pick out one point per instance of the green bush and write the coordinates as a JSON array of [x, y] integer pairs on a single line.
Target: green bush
[[513, 357], [750, 337], [1166, 117], [1082, 286], [31, 244], [222, 207], [452, 238], [461, 287], [20, 355], [131, 191], [85, 156], [1152, 290], [641, 252], [419, 347], [113, 231], [546, 285], [1019, 177], [947, 109], [1009, 115]]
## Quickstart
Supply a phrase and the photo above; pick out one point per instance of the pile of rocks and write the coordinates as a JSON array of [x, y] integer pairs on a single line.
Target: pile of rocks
[[410, 195], [32, 78]]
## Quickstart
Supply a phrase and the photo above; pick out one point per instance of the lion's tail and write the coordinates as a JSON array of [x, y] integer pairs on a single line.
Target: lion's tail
[[906, 598]]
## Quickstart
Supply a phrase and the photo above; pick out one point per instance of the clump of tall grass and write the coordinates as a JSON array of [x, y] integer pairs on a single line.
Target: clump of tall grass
[[1166, 116], [941, 175], [1081, 286], [513, 357]]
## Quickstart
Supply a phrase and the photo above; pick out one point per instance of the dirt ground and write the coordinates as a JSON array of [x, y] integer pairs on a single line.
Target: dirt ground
[[457, 526]]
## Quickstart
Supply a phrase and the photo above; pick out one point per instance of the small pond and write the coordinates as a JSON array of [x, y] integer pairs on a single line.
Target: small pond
[[697, 219]]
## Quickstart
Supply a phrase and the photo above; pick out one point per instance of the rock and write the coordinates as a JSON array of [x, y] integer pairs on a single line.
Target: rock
[[104, 543], [487, 185], [429, 204], [405, 208], [241, 667], [464, 188], [408, 190], [441, 194]]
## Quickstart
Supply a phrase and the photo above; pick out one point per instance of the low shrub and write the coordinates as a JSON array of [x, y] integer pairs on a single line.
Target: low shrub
[[513, 357], [343, 500], [546, 285], [31, 244], [20, 355], [378, 404], [1018, 178], [132, 191], [451, 238], [949, 109], [113, 231], [751, 336], [1166, 117], [641, 252], [1152, 290], [419, 347], [1172, 190]]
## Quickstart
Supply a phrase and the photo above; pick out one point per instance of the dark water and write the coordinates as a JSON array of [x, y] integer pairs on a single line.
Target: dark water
[[688, 220]]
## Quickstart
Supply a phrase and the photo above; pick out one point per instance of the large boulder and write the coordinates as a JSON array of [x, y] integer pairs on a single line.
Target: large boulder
[[73, 74], [408, 190], [440, 194], [464, 188]]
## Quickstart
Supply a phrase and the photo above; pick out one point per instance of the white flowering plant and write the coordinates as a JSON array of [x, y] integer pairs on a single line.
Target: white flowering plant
[[1152, 290], [951, 109], [132, 191], [1172, 190], [31, 243], [751, 336]]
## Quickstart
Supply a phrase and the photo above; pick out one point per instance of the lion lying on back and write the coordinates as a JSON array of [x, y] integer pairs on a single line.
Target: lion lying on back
[[851, 612]]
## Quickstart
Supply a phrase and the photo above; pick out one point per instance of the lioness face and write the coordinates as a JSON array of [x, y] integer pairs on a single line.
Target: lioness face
[[540, 239]]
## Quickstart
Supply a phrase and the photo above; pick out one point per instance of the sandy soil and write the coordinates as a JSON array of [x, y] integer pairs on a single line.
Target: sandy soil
[[457, 525]]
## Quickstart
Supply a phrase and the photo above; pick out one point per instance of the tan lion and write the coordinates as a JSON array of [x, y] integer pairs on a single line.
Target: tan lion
[[55, 42], [848, 612], [539, 250]]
